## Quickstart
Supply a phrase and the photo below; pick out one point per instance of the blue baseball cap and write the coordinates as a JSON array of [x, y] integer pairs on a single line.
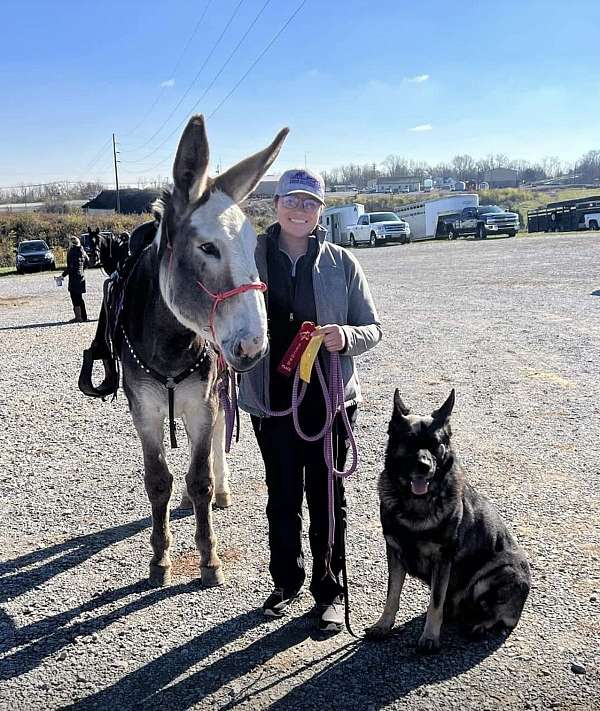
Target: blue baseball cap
[[301, 180]]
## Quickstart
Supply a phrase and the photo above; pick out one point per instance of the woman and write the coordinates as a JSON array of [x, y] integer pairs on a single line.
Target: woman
[[308, 279], [76, 263]]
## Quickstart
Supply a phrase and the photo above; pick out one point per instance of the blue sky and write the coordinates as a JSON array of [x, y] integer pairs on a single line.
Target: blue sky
[[351, 79]]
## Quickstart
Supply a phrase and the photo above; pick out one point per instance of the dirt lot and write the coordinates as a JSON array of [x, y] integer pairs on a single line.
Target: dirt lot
[[513, 325]]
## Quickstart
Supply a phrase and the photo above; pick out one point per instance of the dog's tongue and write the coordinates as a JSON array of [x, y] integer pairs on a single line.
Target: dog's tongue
[[419, 486]]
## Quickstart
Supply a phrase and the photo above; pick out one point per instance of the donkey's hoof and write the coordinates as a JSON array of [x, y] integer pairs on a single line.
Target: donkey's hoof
[[223, 500], [211, 577], [159, 576]]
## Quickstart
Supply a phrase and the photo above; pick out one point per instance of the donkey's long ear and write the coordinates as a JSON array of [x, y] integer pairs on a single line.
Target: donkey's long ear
[[442, 414], [190, 170], [240, 180]]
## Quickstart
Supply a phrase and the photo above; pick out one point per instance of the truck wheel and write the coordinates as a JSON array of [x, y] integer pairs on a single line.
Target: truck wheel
[[352, 240], [372, 240], [452, 233], [481, 232], [593, 224], [512, 234]]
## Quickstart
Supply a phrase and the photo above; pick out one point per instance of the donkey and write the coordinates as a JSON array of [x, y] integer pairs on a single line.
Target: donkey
[[203, 247]]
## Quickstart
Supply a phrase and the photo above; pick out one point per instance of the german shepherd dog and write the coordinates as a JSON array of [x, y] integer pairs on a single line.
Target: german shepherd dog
[[439, 529]]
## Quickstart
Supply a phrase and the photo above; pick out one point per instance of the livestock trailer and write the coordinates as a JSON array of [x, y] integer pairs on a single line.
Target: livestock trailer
[[562, 216], [426, 217], [336, 221]]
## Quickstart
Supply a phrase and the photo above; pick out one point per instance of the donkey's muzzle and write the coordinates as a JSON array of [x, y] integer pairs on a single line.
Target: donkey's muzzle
[[244, 353]]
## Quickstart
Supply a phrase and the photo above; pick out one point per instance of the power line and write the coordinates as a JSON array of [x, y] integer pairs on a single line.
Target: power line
[[208, 88], [96, 158], [173, 71], [260, 56], [187, 91], [42, 185], [106, 144]]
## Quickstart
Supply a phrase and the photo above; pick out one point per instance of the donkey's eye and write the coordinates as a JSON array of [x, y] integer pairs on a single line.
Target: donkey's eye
[[209, 248]]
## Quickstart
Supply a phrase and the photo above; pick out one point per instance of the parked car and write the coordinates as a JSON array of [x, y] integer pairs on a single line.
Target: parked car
[[34, 255], [433, 219], [483, 221], [378, 227]]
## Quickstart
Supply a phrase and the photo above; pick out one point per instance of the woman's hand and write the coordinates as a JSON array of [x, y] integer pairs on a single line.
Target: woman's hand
[[334, 337]]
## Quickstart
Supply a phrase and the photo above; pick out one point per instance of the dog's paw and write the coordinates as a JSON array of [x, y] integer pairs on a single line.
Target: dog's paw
[[378, 631], [428, 644]]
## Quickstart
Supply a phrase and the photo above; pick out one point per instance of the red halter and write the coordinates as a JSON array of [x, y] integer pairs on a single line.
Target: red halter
[[220, 295], [224, 295]]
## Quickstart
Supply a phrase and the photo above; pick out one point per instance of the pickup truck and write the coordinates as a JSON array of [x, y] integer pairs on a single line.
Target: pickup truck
[[483, 221], [375, 228]]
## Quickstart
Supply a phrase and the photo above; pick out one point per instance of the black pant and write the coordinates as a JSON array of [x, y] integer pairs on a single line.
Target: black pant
[[77, 300], [292, 466]]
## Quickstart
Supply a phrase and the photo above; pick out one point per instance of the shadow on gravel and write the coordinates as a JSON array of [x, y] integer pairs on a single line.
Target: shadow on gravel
[[358, 675], [152, 687], [52, 634], [371, 675], [49, 324], [15, 580]]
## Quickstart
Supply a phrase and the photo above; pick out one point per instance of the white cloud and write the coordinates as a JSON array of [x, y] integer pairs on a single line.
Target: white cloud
[[422, 127], [169, 82], [419, 79]]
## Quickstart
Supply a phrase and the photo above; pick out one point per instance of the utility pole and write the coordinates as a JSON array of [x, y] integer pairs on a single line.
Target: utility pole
[[116, 174]]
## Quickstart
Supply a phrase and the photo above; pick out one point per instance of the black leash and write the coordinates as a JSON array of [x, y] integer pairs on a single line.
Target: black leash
[[338, 491], [337, 497]]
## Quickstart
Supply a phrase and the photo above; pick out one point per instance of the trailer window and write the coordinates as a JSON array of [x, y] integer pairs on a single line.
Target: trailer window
[[384, 217]]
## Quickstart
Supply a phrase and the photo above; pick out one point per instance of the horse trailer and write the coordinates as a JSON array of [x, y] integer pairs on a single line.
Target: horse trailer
[[428, 219], [564, 216], [336, 221]]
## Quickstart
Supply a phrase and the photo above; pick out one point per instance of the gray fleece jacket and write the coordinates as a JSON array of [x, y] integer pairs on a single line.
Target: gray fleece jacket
[[342, 296]]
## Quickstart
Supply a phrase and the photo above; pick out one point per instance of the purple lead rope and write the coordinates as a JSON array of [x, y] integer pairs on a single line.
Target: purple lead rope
[[228, 400], [333, 395]]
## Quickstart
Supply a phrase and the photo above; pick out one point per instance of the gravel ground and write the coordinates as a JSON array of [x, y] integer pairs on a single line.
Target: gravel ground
[[511, 324]]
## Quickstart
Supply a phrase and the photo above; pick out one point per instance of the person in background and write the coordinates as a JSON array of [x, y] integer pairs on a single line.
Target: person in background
[[77, 260], [309, 279]]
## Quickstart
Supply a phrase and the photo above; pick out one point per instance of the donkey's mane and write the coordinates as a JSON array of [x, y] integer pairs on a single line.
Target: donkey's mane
[[162, 205]]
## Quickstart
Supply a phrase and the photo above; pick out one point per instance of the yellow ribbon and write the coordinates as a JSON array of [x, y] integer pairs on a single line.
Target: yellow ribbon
[[309, 356]]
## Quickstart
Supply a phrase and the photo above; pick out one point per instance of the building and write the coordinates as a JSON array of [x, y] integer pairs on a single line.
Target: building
[[132, 201], [396, 184], [501, 178], [267, 186], [440, 183]]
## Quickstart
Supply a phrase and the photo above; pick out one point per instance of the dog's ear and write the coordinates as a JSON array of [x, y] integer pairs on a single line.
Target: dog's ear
[[400, 409], [442, 414]]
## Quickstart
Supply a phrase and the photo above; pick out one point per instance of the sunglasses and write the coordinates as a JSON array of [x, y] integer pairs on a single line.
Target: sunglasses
[[293, 202]]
